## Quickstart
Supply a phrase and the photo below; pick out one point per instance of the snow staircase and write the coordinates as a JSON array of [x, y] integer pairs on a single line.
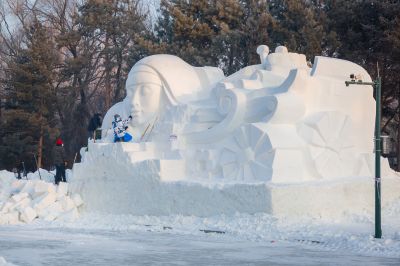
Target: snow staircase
[[164, 156]]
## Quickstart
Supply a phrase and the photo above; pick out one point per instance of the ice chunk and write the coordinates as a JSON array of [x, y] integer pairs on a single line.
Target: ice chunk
[[44, 200], [42, 187], [55, 208], [67, 203], [17, 185], [28, 215], [62, 188], [12, 217], [6, 207], [50, 217], [29, 187], [21, 205], [20, 196], [42, 213], [76, 198]]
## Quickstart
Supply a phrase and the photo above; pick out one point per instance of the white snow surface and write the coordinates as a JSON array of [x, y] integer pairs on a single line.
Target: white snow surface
[[258, 239], [3, 262], [353, 233], [131, 181], [346, 234]]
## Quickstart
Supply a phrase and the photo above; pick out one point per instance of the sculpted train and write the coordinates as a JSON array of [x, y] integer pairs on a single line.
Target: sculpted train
[[280, 121]]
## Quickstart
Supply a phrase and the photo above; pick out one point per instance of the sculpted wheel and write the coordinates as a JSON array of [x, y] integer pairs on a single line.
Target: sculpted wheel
[[330, 145], [247, 155]]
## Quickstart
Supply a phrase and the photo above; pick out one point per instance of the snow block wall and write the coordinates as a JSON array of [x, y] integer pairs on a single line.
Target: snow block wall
[[205, 144], [125, 184]]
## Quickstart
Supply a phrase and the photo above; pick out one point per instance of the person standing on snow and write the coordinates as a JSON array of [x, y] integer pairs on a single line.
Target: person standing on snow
[[120, 126], [94, 124], [60, 161]]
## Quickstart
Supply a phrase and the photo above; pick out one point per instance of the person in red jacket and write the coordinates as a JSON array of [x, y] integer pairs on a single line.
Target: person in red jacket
[[60, 161]]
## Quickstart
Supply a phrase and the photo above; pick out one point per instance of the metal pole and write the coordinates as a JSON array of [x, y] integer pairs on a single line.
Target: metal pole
[[378, 228], [378, 150]]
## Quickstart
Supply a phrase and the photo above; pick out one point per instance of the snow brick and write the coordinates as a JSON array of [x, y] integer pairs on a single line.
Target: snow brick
[[6, 207], [12, 217], [55, 208], [50, 217], [20, 196], [28, 215], [67, 203], [77, 200], [42, 213], [21, 205], [28, 187], [44, 200], [62, 188], [17, 185], [42, 187]]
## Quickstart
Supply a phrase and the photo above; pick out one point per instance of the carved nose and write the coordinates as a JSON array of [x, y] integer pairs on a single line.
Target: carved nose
[[135, 99]]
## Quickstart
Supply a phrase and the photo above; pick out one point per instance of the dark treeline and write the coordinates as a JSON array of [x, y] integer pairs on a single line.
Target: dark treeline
[[64, 60]]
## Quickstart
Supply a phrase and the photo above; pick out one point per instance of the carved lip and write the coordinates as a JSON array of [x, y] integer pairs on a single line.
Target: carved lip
[[135, 113]]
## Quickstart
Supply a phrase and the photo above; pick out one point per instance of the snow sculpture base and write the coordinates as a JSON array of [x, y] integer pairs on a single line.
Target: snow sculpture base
[[126, 178]]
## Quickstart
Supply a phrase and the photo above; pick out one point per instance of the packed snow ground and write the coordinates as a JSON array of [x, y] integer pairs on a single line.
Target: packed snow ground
[[351, 233], [104, 239], [99, 239], [64, 246]]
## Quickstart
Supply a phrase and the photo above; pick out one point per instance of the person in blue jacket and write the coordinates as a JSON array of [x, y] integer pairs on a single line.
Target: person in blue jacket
[[120, 126]]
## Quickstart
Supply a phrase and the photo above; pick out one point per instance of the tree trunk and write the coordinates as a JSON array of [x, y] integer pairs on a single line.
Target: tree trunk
[[40, 146], [398, 149], [398, 134], [107, 74]]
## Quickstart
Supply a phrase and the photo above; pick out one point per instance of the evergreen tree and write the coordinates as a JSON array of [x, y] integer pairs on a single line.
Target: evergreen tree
[[183, 29], [222, 33], [29, 118], [57, 75], [369, 34], [301, 27]]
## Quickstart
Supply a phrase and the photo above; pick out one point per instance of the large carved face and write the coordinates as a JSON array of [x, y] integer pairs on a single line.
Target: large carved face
[[144, 96]]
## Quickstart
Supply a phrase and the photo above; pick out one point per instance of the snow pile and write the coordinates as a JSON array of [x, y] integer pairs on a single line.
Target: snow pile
[[3, 262], [26, 200]]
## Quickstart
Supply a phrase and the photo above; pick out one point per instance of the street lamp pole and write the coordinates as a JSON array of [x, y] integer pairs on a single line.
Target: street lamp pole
[[377, 86]]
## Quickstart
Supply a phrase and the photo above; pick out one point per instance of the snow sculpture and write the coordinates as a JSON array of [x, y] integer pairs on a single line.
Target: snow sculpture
[[157, 83], [277, 122]]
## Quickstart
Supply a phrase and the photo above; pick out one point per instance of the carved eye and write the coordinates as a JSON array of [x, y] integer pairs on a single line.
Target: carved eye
[[129, 91], [146, 91]]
